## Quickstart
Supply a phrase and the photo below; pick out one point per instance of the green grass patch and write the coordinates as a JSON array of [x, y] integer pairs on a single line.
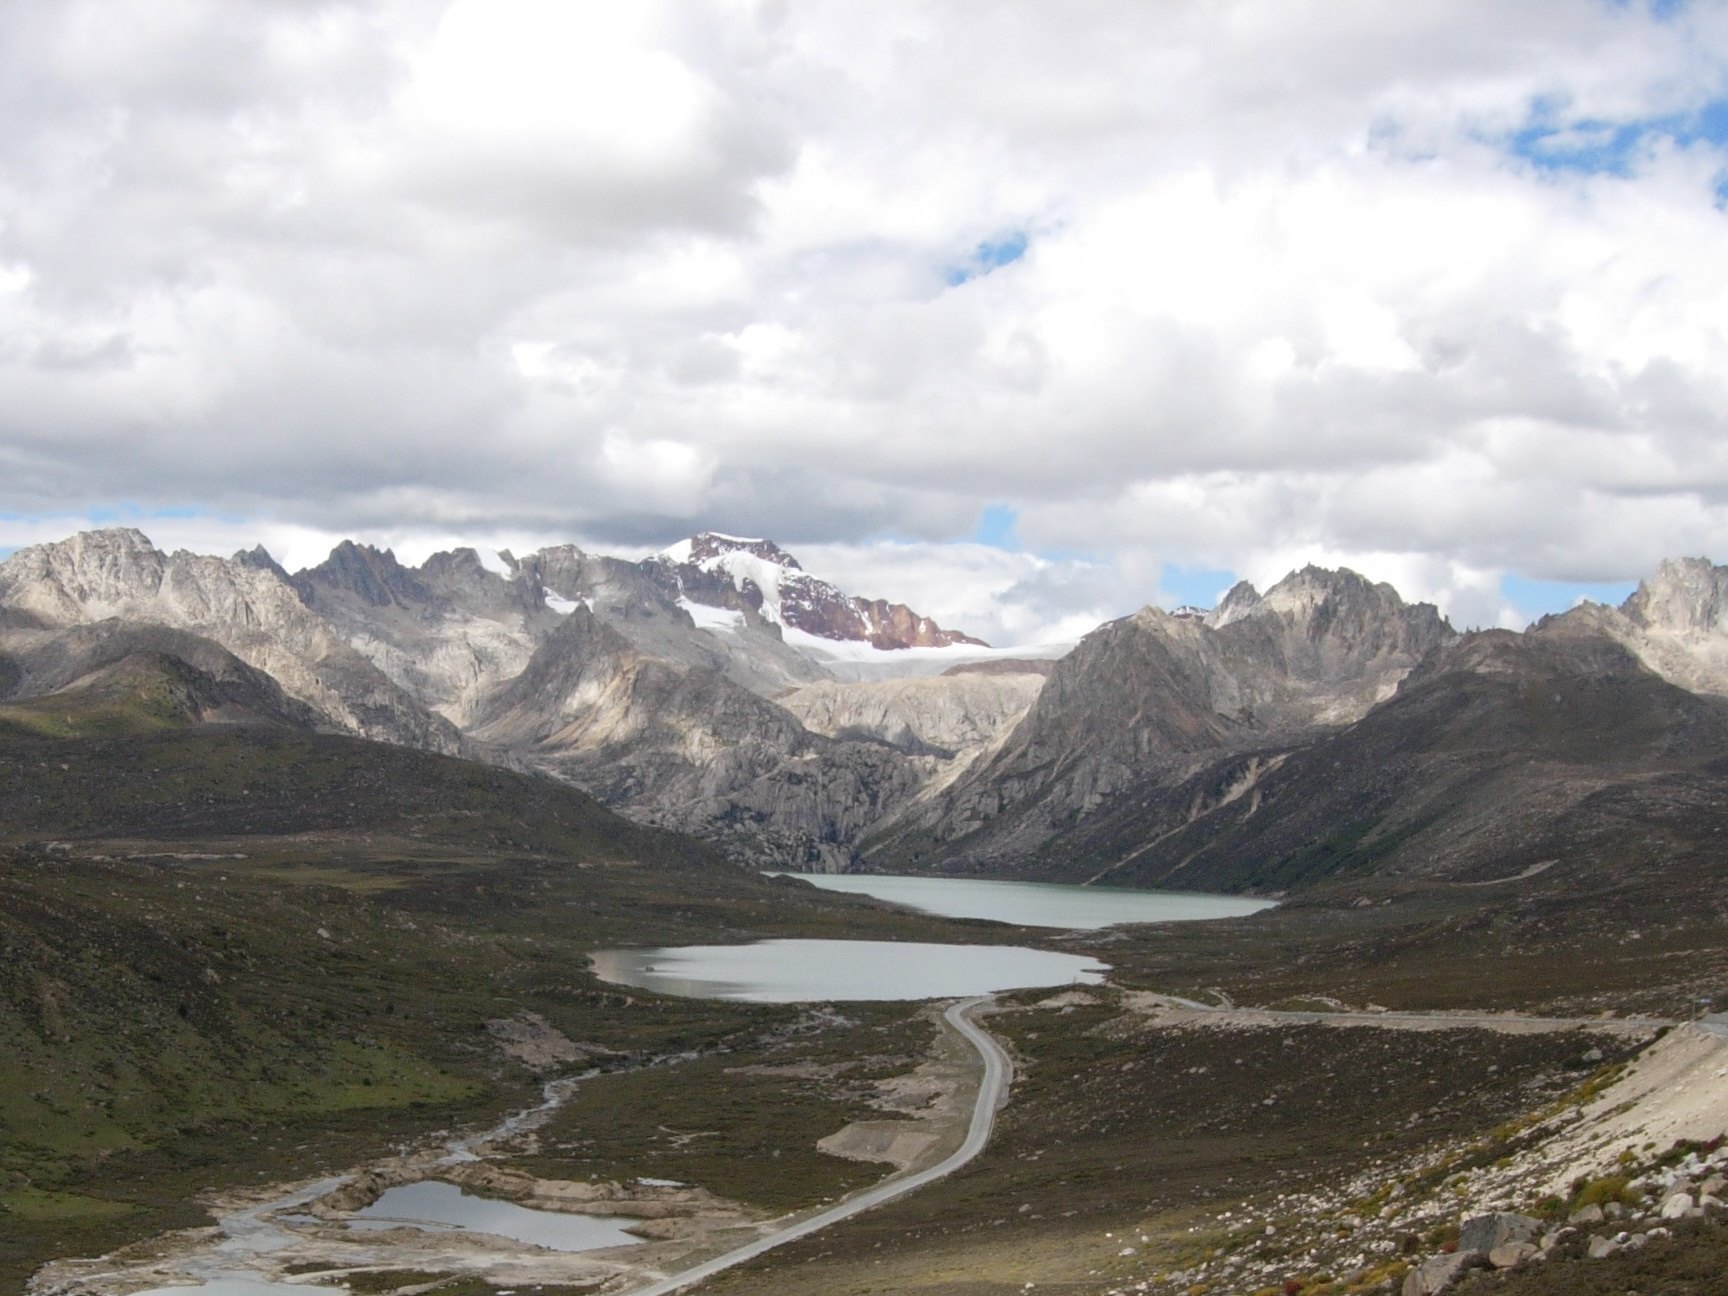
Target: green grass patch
[[35, 1206], [743, 1124]]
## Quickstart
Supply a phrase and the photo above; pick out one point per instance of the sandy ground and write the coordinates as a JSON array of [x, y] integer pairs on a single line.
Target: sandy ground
[[931, 1106], [1676, 1089]]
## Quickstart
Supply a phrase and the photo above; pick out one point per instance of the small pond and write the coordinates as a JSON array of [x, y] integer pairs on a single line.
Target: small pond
[[1036, 904], [440, 1206], [812, 971]]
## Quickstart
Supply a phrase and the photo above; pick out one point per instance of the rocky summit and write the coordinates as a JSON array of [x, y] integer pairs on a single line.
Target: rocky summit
[[723, 571], [1155, 695]]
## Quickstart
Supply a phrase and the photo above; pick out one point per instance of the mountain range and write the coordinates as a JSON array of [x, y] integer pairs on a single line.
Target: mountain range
[[1313, 734]]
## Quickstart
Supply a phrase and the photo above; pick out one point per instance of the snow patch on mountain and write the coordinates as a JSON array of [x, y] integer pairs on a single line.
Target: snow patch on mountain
[[851, 659], [725, 620], [767, 577]]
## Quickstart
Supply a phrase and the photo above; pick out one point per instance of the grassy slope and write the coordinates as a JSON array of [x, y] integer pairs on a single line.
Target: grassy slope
[[229, 953]]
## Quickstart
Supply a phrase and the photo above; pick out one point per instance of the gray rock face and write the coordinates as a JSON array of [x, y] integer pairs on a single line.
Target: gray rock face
[[1676, 622], [1678, 1206], [244, 605], [645, 603], [948, 715], [690, 749], [1157, 692], [444, 632], [1684, 596]]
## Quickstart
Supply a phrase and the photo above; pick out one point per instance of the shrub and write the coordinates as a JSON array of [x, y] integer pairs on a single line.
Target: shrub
[[1599, 1192]]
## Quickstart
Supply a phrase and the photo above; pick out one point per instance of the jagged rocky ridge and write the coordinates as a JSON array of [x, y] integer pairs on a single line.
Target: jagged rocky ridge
[[1155, 695], [246, 605], [649, 683], [1592, 745], [1323, 729]]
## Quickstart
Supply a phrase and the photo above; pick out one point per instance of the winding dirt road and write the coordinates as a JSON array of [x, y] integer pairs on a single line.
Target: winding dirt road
[[991, 1091]]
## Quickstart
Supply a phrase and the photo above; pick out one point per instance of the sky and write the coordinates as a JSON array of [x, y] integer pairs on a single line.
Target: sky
[[1026, 315]]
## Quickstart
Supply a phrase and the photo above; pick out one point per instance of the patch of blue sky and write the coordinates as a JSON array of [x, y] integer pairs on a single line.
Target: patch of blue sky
[[992, 254], [996, 528], [1537, 598], [1199, 587], [1552, 142], [1661, 10]]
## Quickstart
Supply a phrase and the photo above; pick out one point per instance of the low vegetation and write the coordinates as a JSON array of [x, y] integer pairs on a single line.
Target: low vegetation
[[247, 955]]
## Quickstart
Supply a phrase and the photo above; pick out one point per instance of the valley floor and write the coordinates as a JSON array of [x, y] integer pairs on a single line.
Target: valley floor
[[1313, 1062], [1149, 1146]]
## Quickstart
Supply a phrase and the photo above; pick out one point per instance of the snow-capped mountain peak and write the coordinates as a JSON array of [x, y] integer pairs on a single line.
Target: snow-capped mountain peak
[[760, 575]]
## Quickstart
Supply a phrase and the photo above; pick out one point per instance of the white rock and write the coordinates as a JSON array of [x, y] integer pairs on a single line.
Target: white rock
[[1510, 1254], [1678, 1206]]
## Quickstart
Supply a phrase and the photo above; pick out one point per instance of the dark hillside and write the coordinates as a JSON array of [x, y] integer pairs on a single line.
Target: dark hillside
[[1503, 754]]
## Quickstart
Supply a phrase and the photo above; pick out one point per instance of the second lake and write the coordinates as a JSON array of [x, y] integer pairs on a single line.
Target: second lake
[[1036, 904]]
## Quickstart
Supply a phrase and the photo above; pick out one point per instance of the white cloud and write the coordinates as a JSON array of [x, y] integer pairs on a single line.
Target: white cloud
[[535, 268]]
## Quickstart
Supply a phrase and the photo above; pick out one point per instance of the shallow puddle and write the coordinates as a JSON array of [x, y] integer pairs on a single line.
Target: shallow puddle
[[441, 1207]]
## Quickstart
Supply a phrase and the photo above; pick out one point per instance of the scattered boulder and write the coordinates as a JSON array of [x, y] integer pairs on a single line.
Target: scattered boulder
[[1677, 1206], [1601, 1248], [1483, 1233], [1437, 1273], [1509, 1255], [1591, 1214]]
